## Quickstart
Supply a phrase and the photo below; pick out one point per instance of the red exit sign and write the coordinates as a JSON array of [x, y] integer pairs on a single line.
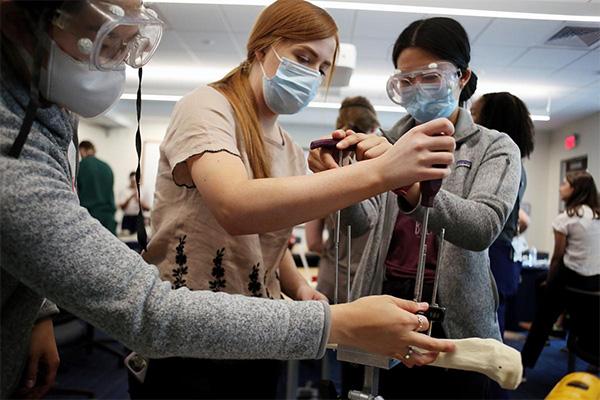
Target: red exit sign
[[571, 142]]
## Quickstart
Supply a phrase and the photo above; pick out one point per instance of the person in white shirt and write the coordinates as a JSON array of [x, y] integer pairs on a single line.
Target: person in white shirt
[[128, 202], [575, 260]]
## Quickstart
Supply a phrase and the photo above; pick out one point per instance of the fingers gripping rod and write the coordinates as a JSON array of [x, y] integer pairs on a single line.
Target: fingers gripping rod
[[436, 279], [331, 145], [371, 377], [336, 233], [428, 191], [435, 313]]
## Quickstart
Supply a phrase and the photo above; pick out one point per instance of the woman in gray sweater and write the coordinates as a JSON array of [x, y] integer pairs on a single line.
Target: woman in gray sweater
[[433, 76], [51, 247]]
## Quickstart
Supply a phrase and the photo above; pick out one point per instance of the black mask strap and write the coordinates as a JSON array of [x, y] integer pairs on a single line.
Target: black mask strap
[[142, 235], [34, 89]]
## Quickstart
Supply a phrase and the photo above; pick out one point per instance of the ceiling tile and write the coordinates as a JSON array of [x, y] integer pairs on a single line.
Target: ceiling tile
[[589, 62], [580, 73], [380, 25], [513, 32], [241, 39], [495, 56], [345, 20], [527, 74], [473, 25], [374, 52], [543, 58], [561, 1], [241, 19], [570, 78], [171, 51], [192, 17], [583, 100], [374, 66], [216, 48]]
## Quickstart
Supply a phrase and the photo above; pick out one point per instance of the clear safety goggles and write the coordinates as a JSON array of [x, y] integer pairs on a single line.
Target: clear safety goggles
[[430, 81], [109, 33]]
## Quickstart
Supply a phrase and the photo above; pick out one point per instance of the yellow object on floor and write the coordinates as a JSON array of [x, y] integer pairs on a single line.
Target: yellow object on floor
[[576, 386]]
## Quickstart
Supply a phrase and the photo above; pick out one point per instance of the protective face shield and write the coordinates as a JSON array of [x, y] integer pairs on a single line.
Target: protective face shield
[[108, 33], [80, 51], [427, 93], [292, 87]]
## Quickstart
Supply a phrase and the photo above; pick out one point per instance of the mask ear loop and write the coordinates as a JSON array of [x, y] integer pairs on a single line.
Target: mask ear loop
[[142, 235], [263, 68], [34, 86]]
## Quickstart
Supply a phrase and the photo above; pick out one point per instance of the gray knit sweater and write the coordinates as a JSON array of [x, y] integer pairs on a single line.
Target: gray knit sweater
[[473, 205], [52, 248]]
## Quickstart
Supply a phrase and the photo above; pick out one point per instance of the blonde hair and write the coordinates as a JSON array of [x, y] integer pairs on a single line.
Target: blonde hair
[[290, 20]]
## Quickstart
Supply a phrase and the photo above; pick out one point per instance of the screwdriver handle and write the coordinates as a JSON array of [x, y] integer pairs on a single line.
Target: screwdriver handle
[[429, 189], [324, 143], [328, 144]]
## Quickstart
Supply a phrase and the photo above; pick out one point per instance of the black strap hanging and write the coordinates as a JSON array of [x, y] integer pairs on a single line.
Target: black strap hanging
[[142, 235]]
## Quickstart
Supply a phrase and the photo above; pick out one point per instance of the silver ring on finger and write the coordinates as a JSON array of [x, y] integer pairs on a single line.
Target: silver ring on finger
[[408, 353], [421, 322]]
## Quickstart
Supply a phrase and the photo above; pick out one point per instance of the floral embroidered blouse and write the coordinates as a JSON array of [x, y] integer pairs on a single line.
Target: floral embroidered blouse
[[189, 246]]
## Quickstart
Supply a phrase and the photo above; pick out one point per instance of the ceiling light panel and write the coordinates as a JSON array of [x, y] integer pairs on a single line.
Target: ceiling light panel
[[367, 6]]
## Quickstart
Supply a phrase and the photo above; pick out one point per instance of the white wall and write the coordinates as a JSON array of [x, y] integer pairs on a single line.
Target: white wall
[[304, 134], [536, 168], [117, 146], [88, 130], [544, 173]]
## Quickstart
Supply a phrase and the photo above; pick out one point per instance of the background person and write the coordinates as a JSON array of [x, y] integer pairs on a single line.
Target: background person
[[95, 187], [575, 260], [128, 202], [506, 113]]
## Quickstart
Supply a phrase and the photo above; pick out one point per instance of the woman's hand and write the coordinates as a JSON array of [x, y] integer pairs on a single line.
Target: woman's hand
[[388, 326], [411, 159], [42, 363], [322, 159], [306, 292], [367, 147], [417, 155]]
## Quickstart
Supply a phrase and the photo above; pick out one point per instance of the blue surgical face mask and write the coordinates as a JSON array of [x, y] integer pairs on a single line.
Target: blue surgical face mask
[[292, 87], [424, 107]]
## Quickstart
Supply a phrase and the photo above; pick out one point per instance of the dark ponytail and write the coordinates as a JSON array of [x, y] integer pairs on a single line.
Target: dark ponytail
[[469, 90], [507, 113], [443, 37]]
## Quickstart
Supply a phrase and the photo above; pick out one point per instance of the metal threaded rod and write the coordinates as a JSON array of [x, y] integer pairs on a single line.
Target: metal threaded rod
[[422, 257], [436, 279], [338, 215], [348, 268]]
